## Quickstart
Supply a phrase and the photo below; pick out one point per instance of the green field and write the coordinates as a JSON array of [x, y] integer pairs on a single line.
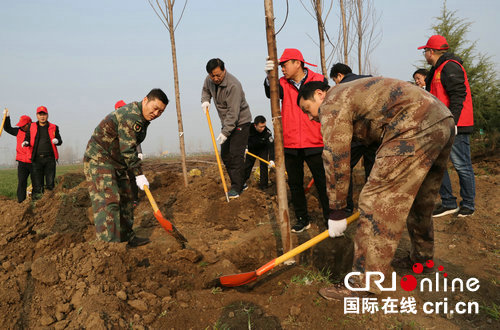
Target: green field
[[8, 178]]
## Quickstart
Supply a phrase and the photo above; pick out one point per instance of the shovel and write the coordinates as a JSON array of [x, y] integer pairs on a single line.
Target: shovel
[[245, 278], [167, 225], [3, 122], [217, 155]]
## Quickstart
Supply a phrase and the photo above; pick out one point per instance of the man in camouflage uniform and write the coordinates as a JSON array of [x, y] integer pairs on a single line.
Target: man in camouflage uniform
[[415, 132], [111, 152]]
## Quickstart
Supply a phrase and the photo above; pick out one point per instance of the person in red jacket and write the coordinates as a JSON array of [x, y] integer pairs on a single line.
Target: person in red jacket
[[44, 138], [302, 138], [23, 155], [447, 80]]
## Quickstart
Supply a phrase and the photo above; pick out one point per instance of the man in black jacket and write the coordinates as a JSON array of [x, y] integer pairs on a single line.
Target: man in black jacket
[[260, 143], [447, 80], [44, 137], [340, 74]]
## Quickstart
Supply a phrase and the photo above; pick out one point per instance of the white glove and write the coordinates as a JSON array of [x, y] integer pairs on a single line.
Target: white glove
[[336, 228], [6, 112], [141, 181], [55, 141], [269, 66], [271, 164], [221, 138], [140, 155], [205, 106], [456, 130], [25, 144]]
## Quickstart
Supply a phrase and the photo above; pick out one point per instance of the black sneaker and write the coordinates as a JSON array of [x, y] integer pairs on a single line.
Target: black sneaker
[[138, 241], [301, 225], [245, 187], [442, 211], [465, 212], [233, 194]]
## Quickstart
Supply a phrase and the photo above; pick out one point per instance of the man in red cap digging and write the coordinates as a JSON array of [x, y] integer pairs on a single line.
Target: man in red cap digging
[[44, 138], [301, 137], [447, 80], [23, 155]]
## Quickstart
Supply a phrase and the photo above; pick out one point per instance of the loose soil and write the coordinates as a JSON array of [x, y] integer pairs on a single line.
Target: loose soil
[[54, 274]]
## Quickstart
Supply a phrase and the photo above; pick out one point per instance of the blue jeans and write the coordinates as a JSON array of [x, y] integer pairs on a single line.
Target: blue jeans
[[460, 158]]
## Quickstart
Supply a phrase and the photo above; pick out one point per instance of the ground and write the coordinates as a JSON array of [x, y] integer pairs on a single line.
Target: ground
[[54, 274]]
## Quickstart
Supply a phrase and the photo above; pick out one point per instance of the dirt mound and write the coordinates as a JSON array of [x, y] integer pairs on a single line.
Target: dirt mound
[[55, 274]]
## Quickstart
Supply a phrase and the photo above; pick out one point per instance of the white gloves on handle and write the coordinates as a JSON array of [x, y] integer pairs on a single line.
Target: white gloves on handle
[[221, 138], [271, 164], [141, 181], [269, 66], [140, 155], [336, 228], [55, 141], [6, 112], [25, 144], [205, 106]]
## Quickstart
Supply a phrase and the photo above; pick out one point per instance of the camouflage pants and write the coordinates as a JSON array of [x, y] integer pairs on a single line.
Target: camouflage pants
[[402, 189], [112, 203]]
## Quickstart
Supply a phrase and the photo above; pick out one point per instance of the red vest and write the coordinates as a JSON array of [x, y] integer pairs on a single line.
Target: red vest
[[298, 130], [23, 154], [437, 89], [52, 135]]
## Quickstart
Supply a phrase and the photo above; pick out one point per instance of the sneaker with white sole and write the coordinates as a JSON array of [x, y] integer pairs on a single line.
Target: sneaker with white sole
[[465, 212], [301, 225], [233, 194], [442, 211]]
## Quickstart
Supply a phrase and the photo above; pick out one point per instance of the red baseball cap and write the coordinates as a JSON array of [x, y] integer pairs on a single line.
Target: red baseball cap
[[41, 109], [436, 42], [293, 54], [23, 121], [120, 104]]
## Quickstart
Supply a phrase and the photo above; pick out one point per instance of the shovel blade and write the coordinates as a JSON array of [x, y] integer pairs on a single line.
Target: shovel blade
[[238, 279], [170, 228]]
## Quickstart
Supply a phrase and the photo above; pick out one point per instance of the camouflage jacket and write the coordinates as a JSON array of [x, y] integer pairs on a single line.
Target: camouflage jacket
[[115, 139], [374, 110]]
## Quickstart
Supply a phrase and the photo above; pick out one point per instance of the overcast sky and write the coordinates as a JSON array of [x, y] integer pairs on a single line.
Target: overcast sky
[[78, 58]]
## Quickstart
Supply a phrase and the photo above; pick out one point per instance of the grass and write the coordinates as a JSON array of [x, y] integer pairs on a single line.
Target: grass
[[8, 178], [493, 311], [309, 277]]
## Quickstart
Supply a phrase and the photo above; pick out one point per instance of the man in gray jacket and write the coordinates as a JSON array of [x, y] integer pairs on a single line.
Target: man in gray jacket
[[235, 116]]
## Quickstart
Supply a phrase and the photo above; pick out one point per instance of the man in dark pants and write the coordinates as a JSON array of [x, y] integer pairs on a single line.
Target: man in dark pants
[[341, 73], [302, 138], [235, 117], [44, 137], [260, 143], [23, 155]]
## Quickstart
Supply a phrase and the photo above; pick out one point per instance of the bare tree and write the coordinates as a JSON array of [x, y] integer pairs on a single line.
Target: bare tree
[[166, 16], [367, 32], [278, 131]]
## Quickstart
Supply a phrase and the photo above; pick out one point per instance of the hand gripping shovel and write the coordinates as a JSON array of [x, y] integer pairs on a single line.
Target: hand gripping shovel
[[217, 155], [167, 225], [3, 122], [245, 278]]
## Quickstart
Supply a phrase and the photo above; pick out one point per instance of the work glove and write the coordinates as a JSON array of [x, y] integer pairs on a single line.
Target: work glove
[[55, 141], [337, 223], [25, 144], [141, 181], [221, 138], [269, 66], [6, 112], [271, 164], [205, 106], [140, 155], [456, 130]]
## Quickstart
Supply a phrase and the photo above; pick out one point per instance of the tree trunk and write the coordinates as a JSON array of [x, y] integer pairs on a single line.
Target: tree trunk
[[278, 131], [344, 31], [360, 35], [177, 93], [321, 38]]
